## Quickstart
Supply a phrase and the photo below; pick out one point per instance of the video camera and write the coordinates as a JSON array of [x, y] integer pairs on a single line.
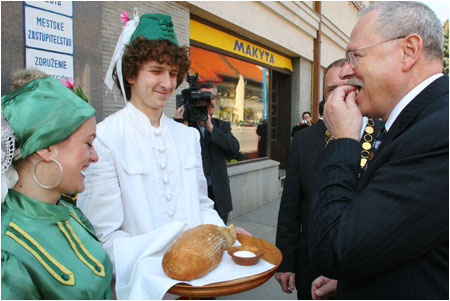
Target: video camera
[[190, 98]]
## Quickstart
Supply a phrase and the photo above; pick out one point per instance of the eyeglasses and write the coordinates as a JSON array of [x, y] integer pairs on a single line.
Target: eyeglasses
[[351, 58]]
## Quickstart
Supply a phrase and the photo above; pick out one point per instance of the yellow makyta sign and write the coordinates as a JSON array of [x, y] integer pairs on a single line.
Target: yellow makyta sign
[[216, 38]]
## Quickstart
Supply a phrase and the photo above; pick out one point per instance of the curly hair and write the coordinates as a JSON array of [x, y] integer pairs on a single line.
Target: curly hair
[[142, 50]]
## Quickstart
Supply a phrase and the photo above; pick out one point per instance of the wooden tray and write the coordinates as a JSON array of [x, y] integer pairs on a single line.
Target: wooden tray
[[271, 255]]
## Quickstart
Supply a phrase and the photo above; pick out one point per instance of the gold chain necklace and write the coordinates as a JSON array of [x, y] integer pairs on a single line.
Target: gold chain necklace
[[366, 153]]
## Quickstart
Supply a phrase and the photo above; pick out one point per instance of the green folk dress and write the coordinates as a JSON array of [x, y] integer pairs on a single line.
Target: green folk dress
[[50, 252]]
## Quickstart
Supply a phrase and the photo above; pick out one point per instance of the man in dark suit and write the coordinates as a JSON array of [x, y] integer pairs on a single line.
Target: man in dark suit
[[299, 189], [385, 235], [218, 145]]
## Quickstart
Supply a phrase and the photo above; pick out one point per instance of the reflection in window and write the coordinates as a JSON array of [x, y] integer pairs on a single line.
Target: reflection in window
[[241, 97], [274, 132]]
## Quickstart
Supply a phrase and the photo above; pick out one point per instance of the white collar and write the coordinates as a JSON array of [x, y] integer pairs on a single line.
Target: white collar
[[408, 98], [142, 119], [364, 123]]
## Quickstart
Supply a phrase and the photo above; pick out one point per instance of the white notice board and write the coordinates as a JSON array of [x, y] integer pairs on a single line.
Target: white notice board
[[57, 65], [61, 7], [48, 31]]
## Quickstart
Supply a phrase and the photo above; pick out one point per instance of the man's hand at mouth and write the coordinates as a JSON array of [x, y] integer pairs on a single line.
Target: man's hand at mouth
[[341, 114]]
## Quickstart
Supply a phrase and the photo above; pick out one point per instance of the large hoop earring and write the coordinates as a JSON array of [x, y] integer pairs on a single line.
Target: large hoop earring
[[42, 185]]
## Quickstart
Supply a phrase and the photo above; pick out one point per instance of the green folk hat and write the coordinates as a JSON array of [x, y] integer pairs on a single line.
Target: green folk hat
[[44, 112], [148, 26], [155, 27]]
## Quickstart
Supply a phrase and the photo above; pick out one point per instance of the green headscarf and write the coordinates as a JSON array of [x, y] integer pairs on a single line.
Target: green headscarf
[[44, 112], [155, 27]]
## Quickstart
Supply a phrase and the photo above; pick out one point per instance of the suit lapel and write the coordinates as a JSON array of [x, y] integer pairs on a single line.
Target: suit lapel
[[319, 130]]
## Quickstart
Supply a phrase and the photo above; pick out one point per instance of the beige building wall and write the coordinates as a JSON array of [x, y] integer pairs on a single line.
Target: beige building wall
[[343, 14], [288, 27], [306, 86], [331, 51], [338, 20], [310, 4], [334, 41]]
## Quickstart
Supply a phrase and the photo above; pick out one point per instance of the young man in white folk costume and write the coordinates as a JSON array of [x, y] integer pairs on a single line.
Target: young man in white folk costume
[[148, 185]]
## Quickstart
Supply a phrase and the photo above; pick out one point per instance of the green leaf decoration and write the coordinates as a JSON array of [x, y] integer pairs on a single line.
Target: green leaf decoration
[[80, 93]]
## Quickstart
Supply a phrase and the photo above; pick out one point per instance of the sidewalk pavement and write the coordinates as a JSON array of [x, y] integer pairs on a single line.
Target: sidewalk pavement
[[261, 223]]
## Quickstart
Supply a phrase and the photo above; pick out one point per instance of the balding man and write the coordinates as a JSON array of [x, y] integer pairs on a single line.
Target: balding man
[[385, 236]]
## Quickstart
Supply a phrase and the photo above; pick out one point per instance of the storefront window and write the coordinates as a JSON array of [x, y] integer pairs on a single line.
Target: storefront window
[[242, 97]]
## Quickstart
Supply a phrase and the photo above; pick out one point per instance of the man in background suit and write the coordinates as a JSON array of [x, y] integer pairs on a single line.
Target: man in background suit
[[304, 123], [385, 235], [299, 189], [218, 145]]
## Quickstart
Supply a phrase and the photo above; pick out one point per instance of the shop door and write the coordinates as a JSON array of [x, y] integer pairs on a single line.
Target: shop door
[[280, 118]]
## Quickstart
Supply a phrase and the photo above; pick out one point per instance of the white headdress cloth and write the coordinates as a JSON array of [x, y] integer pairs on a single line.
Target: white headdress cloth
[[116, 60]]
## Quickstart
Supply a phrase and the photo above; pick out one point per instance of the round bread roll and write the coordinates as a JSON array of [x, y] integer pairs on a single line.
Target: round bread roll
[[197, 251]]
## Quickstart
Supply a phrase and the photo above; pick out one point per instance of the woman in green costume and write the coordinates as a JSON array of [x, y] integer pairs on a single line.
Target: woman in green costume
[[49, 248]]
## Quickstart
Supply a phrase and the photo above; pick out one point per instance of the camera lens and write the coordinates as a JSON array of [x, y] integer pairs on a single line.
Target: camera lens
[[198, 113]]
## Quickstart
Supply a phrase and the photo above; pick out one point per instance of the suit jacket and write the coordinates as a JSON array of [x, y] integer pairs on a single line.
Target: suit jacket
[[298, 191], [297, 128], [218, 147], [386, 236], [300, 186]]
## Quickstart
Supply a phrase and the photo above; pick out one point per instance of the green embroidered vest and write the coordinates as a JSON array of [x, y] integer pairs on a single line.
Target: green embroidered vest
[[50, 252]]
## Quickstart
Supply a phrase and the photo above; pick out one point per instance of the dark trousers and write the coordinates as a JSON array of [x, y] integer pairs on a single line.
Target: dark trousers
[[304, 276], [211, 196]]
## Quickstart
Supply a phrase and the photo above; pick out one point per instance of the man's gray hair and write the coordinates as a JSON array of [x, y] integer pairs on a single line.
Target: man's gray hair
[[402, 18]]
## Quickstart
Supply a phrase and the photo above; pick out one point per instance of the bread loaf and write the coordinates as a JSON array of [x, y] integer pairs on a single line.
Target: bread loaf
[[197, 251]]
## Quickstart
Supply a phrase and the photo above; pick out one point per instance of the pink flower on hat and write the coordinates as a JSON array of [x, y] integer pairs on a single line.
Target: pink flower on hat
[[124, 18], [68, 83]]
